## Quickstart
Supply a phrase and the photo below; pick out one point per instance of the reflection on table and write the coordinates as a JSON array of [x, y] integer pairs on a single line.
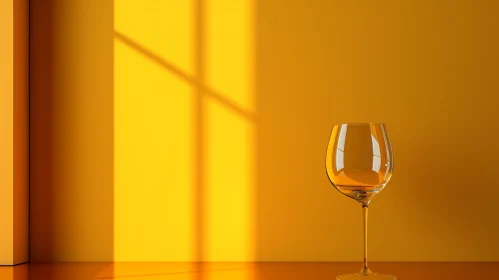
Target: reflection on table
[[241, 271]]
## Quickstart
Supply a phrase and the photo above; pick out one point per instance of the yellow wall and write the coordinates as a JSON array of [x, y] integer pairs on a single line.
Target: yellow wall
[[197, 130], [14, 132], [183, 155]]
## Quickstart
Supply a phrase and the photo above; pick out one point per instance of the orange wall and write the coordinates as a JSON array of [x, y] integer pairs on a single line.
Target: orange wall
[[71, 152], [7, 129], [14, 131], [197, 130]]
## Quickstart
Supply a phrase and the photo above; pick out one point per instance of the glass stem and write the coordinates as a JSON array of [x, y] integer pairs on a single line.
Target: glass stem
[[365, 269]]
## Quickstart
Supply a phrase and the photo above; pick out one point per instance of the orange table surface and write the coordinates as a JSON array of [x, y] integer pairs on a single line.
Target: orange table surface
[[243, 271]]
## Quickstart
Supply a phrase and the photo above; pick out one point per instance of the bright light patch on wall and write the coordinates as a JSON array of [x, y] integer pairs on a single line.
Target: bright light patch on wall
[[156, 132], [165, 27], [229, 131], [153, 161], [153, 133], [229, 49], [229, 187]]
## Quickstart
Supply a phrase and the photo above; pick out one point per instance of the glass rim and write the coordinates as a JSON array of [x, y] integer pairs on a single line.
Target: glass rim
[[359, 124]]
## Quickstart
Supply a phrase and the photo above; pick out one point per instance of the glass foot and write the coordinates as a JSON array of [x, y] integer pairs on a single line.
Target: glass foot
[[358, 276]]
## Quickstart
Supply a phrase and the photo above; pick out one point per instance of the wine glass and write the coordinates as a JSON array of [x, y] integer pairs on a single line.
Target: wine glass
[[359, 163]]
